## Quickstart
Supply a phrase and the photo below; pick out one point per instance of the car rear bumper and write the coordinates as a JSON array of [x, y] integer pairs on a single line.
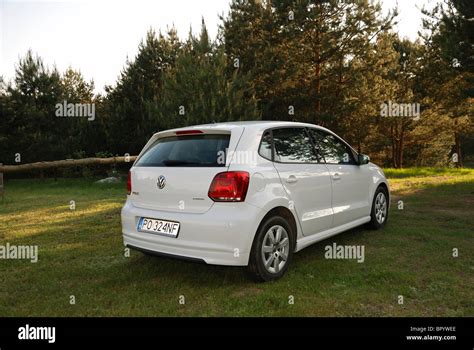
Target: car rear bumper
[[221, 236]]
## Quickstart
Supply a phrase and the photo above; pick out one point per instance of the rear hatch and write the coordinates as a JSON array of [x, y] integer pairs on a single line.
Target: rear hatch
[[175, 169]]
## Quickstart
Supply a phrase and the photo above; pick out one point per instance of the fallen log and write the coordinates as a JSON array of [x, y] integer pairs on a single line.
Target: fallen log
[[65, 164]]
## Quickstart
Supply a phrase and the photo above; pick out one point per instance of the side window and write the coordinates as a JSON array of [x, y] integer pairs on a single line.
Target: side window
[[265, 149], [293, 145], [334, 150]]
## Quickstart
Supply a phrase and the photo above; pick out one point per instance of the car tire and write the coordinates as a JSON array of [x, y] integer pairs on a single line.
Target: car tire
[[379, 212], [272, 250]]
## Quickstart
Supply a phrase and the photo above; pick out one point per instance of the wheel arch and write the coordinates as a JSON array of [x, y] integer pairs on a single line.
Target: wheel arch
[[384, 186], [284, 213]]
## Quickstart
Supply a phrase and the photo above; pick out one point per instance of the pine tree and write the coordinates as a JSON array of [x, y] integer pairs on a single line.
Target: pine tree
[[449, 67], [34, 131], [199, 88], [295, 51], [129, 122]]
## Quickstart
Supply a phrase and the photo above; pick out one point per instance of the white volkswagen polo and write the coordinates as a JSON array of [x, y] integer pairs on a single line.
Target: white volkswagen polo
[[248, 193]]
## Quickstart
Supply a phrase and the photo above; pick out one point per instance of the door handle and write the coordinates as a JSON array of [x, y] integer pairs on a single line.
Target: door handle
[[291, 179], [336, 177]]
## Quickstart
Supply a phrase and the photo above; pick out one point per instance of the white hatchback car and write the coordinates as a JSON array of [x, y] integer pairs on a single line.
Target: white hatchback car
[[248, 193]]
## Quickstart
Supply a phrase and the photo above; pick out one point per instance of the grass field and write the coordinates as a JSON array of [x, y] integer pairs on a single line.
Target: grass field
[[81, 255]]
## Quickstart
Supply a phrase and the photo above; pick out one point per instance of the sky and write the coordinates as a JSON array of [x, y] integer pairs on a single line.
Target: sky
[[96, 37]]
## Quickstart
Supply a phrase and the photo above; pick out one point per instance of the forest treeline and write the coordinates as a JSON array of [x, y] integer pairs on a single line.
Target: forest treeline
[[334, 63]]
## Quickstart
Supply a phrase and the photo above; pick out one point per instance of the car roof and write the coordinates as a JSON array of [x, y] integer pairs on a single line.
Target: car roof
[[255, 126], [251, 124]]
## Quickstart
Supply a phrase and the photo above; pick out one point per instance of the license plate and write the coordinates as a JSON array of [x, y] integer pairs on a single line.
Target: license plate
[[160, 227]]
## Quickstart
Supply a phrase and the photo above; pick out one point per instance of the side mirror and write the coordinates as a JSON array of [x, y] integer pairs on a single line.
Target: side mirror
[[363, 159]]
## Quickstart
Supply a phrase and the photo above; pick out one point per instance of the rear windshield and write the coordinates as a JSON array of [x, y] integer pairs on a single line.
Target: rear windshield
[[187, 151]]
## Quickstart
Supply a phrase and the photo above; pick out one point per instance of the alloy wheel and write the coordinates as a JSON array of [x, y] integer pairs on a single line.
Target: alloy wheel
[[275, 249], [380, 208]]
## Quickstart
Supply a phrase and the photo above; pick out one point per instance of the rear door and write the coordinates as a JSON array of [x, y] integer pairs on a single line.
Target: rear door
[[304, 177], [174, 172], [350, 182]]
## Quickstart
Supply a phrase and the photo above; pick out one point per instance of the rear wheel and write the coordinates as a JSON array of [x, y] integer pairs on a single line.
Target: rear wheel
[[272, 249], [379, 213]]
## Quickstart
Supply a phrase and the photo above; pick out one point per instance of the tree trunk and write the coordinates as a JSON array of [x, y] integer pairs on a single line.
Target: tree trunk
[[457, 141], [394, 146], [401, 146], [317, 57], [318, 80]]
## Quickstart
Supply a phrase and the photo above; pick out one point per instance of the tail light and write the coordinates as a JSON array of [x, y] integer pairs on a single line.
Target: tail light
[[129, 183], [230, 186]]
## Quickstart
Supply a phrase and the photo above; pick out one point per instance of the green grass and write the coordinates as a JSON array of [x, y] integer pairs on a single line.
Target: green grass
[[81, 254], [411, 172]]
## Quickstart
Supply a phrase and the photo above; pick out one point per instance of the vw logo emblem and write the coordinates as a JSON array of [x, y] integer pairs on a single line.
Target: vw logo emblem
[[161, 182]]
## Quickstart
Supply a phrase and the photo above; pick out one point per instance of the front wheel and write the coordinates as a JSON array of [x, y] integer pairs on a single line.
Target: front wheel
[[272, 250], [379, 213]]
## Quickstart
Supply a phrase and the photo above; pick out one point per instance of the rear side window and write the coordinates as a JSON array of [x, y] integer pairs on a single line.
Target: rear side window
[[265, 149], [293, 145], [187, 151]]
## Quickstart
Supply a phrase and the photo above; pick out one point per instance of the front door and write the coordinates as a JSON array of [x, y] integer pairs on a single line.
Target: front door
[[350, 182], [305, 179]]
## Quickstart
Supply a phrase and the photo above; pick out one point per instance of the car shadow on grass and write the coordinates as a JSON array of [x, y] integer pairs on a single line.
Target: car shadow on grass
[[194, 274]]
